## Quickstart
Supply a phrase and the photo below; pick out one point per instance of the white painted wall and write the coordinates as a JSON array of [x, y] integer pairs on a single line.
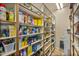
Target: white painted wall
[[62, 22]]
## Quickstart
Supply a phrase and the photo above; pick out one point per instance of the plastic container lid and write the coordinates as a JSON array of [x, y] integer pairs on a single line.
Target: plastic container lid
[[2, 5]]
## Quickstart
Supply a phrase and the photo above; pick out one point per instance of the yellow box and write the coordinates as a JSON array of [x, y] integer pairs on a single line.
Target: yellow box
[[39, 22], [35, 22], [12, 30]]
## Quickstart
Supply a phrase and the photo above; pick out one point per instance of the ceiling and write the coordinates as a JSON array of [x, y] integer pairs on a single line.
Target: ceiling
[[51, 6]]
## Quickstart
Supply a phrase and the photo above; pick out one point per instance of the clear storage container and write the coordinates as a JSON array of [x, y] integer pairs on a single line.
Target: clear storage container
[[9, 47]]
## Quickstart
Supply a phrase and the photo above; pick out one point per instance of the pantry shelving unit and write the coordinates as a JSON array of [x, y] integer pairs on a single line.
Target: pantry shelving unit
[[24, 42], [47, 39], [53, 36], [74, 21], [6, 23]]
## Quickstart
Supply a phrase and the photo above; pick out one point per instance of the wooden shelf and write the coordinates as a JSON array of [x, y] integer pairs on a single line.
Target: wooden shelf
[[77, 36], [45, 52], [30, 34], [52, 34], [47, 42], [53, 42], [23, 47], [36, 42], [7, 22], [4, 38], [30, 25], [8, 53], [47, 37], [36, 51], [47, 47]]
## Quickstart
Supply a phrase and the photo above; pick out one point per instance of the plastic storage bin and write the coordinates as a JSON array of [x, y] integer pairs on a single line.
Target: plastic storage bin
[[9, 47]]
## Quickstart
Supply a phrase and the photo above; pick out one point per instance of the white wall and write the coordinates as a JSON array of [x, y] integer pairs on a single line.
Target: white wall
[[62, 22]]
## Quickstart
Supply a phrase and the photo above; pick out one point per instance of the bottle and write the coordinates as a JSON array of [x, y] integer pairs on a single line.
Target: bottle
[[2, 12], [7, 15], [11, 15]]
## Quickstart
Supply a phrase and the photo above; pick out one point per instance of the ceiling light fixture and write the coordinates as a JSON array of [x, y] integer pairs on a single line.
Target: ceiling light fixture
[[61, 5], [57, 4]]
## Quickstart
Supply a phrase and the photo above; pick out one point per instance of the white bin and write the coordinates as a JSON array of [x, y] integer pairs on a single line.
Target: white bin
[[9, 47]]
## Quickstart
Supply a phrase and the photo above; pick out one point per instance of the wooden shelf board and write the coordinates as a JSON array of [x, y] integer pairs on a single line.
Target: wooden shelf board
[[47, 37], [7, 22], [36, 42], [23, 47], [30, 34], [8, 53], [4, 38], [30, 25], [47, 47], [45, 52], [47, 42]]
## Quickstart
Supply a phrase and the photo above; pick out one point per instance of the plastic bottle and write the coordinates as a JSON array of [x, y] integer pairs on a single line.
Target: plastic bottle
[[11, 15], [21, 17], [2, 12]]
